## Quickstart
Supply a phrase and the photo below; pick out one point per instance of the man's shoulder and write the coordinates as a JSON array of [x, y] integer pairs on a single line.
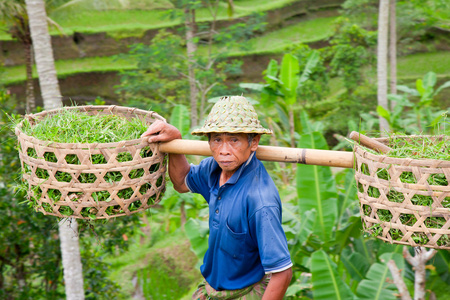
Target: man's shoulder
[[262, 191], [207, 165]]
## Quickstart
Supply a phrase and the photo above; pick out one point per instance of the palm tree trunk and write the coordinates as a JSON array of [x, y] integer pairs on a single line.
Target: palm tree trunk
[[383, 27], [191, 48], [30, 99], [43, 54], [71, 259], [392, 49], [70, 250]]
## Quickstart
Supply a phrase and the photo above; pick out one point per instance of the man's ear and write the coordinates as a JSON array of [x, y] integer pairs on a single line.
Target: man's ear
[[255, 142]]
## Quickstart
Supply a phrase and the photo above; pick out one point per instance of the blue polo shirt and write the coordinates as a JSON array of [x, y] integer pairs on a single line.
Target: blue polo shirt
[[246, 239]]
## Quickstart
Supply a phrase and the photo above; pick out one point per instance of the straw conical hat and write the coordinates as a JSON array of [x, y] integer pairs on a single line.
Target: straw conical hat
[[232, 114]]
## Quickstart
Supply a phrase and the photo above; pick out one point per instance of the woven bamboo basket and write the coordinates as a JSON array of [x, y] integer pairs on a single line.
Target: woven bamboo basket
[[140, 181], [408, 213]]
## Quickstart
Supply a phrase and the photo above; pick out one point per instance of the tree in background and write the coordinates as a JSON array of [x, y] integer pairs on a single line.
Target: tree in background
[[163, 76], [393, 48], [414, 19], [68, 228], [30, 250], [198, 88], [14, 14], [382, 65], [30, 256]]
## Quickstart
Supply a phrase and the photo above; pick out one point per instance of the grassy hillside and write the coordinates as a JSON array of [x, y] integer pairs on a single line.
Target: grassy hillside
[[272, 42], [409, 67], [139, 16]]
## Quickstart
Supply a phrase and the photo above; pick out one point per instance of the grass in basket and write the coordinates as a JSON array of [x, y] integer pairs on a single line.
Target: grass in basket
[[71, 126], [418, 148]]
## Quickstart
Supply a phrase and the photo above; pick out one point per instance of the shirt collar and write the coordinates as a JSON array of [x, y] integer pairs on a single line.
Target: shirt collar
[[234, 178]]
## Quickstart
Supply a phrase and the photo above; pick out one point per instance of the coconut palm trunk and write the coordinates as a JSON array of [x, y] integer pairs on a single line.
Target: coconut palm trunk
[[392, 49], [51, 95], [30, 99], [382, 54], [191, 48], [43, 54]]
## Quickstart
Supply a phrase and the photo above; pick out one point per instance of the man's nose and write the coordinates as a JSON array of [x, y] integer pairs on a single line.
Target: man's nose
[[224, 148]]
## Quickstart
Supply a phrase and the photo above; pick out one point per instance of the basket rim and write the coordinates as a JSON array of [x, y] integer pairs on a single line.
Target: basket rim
[[112, 108], [419, 162]]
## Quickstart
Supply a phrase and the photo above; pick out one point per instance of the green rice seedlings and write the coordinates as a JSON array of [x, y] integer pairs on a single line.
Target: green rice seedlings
[[72, 126], [421, 147]]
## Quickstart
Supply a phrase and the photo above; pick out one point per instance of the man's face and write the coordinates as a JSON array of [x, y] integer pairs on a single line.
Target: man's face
[[231, 150]]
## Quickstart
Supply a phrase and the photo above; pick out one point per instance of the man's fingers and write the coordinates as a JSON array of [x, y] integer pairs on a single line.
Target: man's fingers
[[155, 138], [155, 128], [161, 132]]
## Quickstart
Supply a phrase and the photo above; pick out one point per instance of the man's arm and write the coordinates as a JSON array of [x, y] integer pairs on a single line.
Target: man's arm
[[278, 284], [179, 167]]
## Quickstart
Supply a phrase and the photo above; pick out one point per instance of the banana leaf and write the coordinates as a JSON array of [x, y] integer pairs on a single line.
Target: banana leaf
[[316, 189], [327, 284], [180, 118], [377, 285], [197, 232]]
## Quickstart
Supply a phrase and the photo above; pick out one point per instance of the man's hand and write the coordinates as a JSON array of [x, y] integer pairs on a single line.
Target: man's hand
[[160, 131]]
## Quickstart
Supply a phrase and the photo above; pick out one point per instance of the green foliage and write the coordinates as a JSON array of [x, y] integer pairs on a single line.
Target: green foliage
[[180, 119], [168, 273], [198, 231], [413, 19], [31, 265], [95, 275], [283, 85], [158, 79], [236, 35], [290, 78], [413, 111], [378, 284], [351, 49], [316, 189], [325, 278]]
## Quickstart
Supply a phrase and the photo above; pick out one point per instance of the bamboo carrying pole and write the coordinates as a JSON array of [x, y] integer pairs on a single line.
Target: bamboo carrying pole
[[329, 158], [369, 142]]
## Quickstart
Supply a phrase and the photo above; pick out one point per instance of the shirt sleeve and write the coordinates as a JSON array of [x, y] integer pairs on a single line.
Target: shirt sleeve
[[197, 180], [271, 239]]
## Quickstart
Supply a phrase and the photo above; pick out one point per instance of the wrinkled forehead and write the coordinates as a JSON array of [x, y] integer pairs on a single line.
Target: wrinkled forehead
[[220, 134]]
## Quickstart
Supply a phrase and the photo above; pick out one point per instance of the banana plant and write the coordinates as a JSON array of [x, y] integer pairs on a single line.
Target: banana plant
[[180, 119], [324, 229], [327, 283], [284, 82]]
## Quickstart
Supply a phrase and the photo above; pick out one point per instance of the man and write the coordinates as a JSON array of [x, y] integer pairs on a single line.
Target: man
[[247, 255]]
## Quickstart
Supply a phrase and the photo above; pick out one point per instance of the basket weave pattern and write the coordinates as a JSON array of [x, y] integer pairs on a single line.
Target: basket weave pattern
[[404, 221], [139, 182]]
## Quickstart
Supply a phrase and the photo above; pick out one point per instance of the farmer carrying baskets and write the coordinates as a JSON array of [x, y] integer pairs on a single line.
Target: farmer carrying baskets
[[247, 255]]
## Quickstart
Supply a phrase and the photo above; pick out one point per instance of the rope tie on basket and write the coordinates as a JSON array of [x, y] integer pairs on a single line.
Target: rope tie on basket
[[111, 108], [30, 119], [407, 161]]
